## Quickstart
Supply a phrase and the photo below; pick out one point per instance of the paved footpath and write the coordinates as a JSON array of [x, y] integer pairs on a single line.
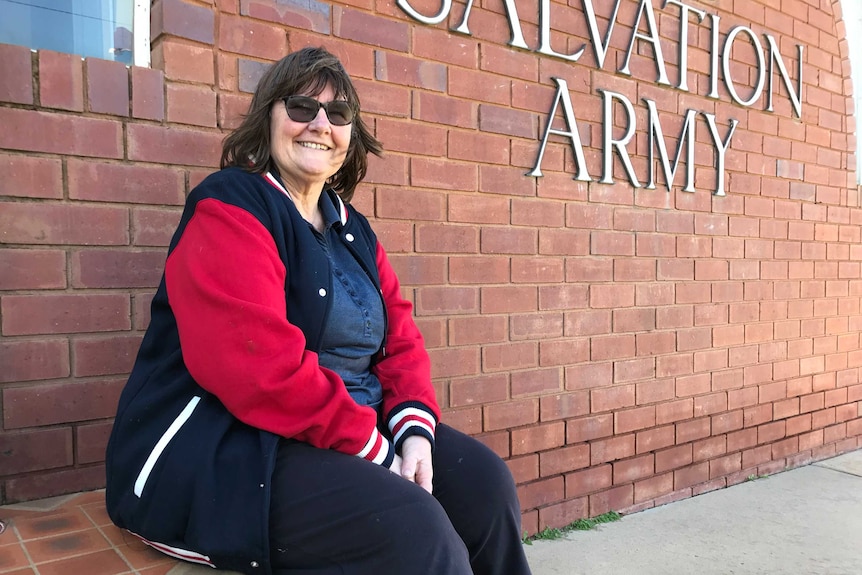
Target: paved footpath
[[807, 521]]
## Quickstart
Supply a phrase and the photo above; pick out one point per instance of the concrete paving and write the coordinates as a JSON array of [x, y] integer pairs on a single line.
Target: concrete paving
[[806, 521]]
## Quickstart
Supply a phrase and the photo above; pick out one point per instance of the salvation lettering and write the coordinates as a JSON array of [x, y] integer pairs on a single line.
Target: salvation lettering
[[768, 60]]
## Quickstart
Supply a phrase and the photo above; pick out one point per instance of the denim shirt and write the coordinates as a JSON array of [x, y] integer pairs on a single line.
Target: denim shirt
[[354, 328]]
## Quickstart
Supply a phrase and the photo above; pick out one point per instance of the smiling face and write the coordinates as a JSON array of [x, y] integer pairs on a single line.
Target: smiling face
[[307, 154]]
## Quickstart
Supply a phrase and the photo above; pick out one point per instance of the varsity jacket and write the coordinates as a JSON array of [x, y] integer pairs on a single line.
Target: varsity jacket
[[229, 365]]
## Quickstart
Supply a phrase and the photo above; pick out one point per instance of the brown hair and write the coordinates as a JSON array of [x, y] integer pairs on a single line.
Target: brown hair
[[307, 71]]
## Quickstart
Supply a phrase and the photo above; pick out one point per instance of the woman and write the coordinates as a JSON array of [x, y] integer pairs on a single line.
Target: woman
[[280, 416]]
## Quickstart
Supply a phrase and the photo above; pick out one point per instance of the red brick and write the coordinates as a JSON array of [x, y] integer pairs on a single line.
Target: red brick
[[107, 87], [467, 420], [612, 347], [38, 486], [524, 468], [634, 419], [60, 403], [91, 442], [691, 430], [584, 323], [32, 269], [498, 442], [42, 223], [563, 460], [183, 62], [692, 475], [30, 360], [440, 109], [445, 238], [313, 17], [589, 428], [35, 450], [655, 439], [476, 330], [672, 411], [16, 71], [612, 398], [479, 389], [511, 414], [536, 381], [179, 18], [592, 270], [509, 299], [60, 134], [538, 438], [148, 93], [508, 240], [251, 38], [231, 108], [412, 138], [611, 449], [482, 148], [153, 227], [620, 497], [193, 105], [61, 81], [451, 362], [562, 514], [541, 493], [104, 355], [31, 177], [478, 270], [507, 121], [36, 314], [476, 209], [447, 300], [634, 469], [128, 183], [588, 481], [479, 86], [673, 458], [504, 180], [510, 356], [653, 487], [423, 205], [406, 71], [166, 145], [564, 406]]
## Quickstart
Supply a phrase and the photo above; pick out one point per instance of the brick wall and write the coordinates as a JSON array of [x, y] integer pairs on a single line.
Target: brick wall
[[620, 347]]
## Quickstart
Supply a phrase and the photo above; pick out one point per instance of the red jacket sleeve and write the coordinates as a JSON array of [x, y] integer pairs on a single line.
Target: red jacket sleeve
[[409, 403], [225, 284]]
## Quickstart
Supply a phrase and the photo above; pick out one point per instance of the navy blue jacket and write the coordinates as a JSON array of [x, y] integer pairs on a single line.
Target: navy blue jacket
[[228, 366]]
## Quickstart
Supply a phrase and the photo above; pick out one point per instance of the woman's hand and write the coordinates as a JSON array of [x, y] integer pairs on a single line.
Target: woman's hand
[[395, 467], [415, 462]]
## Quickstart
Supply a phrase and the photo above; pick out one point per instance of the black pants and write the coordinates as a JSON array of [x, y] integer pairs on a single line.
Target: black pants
[[336, 514]]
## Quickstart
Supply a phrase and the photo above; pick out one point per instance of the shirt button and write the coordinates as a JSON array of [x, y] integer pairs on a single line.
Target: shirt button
[[349, 237], [322, 292]]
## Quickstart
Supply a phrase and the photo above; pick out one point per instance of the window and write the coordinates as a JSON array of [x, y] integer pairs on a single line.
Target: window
[[852, 10], [109, 29]]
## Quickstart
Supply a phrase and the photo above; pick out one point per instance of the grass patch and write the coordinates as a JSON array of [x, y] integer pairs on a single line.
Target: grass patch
[[550, 533], [756, 477]]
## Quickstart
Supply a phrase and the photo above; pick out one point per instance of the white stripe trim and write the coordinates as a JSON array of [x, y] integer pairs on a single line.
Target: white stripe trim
[[162, 443], [373, 441], [276, 184], [369, 445], [412, 411], [426, 421], [342, 210], [183, 554], [410, 424]]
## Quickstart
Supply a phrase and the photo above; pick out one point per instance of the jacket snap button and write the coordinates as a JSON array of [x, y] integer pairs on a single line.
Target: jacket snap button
[[322, 292], [349, 237], [255, 564]]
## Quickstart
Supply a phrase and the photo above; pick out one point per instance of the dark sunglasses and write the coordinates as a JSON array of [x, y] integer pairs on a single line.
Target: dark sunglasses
[[305, 109]]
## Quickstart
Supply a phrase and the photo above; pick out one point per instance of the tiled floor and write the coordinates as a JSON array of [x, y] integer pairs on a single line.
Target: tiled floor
[[72, 535]]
